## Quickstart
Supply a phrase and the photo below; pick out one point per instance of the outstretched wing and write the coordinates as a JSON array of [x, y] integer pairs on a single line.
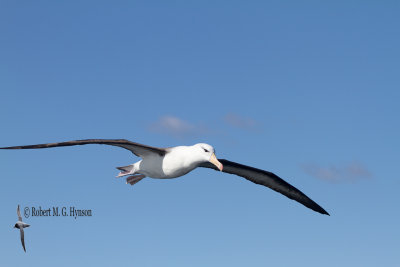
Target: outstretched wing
[[268, 179], [137, 149], [19, 214], [21, 230]]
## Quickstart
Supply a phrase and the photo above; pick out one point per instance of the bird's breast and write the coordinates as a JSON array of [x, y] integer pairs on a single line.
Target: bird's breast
[[171, 165], [177, 164]]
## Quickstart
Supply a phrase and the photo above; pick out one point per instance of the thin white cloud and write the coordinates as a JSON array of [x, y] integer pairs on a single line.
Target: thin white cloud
[[238, 121], [176, 127], [351, 172]]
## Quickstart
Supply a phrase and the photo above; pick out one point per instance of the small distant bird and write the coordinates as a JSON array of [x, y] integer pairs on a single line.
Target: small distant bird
[[172, 162], [21, 225]]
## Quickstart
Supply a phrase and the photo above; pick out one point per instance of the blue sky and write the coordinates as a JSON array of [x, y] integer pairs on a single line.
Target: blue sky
[[306, 90]]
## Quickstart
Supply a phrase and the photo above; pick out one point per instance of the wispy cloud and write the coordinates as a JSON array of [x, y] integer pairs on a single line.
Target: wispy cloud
[[351, 172], [179, 128], [176, 127], [238, 121]]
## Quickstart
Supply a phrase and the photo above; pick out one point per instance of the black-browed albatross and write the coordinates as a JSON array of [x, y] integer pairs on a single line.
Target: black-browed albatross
[[172, 162]]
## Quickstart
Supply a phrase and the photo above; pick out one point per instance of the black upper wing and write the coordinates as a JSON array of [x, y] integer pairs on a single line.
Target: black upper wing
[[137, 149], [268, 179]]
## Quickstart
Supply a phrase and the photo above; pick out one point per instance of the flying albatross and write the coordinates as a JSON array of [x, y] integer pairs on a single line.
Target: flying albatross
[[172, 162], [21, 225]]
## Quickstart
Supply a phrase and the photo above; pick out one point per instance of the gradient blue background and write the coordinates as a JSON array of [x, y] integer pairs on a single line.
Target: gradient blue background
[[314, 83]]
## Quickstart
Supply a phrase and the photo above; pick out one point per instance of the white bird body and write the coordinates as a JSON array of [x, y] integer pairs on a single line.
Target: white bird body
[[179, 161], [21, 224]]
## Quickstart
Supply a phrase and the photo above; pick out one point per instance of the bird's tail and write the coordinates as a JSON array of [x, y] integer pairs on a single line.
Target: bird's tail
[[126, 170]]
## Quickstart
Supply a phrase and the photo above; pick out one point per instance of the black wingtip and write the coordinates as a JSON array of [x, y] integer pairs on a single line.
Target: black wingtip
[[322, 211], [326, 213], [314, 206], [12, 147]]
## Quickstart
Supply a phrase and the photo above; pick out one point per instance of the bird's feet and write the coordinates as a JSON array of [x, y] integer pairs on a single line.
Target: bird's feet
[[134, 179]]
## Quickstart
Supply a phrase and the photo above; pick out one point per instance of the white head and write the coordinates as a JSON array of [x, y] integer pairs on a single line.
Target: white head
[[207, 153]]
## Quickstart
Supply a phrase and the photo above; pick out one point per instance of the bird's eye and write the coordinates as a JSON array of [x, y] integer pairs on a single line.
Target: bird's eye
[[205, 150]]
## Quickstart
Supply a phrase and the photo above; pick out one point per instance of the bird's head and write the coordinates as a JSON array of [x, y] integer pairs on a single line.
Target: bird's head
[[207, 154]]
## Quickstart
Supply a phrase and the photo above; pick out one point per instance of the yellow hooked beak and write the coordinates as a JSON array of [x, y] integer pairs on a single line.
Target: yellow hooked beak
[[213, 160]]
